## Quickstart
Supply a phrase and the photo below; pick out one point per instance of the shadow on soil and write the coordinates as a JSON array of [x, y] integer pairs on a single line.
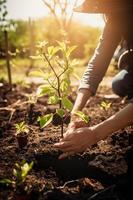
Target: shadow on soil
[[78, 167]]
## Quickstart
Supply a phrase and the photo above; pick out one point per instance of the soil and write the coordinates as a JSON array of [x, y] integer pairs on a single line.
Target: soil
[[103, 172]]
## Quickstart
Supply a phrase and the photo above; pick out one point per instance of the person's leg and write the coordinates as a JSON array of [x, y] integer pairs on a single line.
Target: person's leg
[[122, 84]]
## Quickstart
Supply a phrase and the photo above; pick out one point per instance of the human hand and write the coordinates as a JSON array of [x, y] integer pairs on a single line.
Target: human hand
[[76, 141], [76, 122]]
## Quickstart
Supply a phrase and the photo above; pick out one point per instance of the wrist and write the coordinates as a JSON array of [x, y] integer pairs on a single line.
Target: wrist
[[101, 131]]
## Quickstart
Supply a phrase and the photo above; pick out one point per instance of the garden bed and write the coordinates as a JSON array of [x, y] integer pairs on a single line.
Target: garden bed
[[104, 170]]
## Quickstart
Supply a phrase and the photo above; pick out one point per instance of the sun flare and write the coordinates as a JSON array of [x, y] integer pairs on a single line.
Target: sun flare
[[95, 20], [36, 9]]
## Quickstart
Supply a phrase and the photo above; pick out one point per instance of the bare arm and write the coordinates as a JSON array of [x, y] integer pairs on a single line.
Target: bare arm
[[98, 65], [118, 121], [82, 97], [80, 139]]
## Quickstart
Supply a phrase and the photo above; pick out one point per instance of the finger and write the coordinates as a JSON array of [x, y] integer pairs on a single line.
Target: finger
[[72, 124], [69, 131], [62, 145], [71, 149], [67, 136], [65, 155]]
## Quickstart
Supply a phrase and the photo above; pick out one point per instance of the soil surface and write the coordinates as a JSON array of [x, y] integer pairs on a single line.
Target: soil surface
[[103, 172]]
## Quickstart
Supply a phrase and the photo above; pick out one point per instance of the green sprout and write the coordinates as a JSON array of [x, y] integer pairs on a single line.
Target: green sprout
[[20, 173], [21, 128], [105, 105], [83, 116]]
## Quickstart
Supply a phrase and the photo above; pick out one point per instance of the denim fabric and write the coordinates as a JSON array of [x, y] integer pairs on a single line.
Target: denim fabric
[[122, 84], [97, 67]]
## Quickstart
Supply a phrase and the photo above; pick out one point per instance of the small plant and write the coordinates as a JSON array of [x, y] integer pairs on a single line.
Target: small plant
[[21, 128], [82, 116], [20, 173], [56, 74], [105, 105], [22, 131]]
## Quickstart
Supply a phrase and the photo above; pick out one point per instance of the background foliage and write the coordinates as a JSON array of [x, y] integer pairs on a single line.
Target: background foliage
[[84, 37]]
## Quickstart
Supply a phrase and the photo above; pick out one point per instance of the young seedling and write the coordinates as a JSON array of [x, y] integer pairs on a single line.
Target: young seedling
[[20, 173], [58, 67], [22, 131], [105, 105], [82, 116], [32, 99]]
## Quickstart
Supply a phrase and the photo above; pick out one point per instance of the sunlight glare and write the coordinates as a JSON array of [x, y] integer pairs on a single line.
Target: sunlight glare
[[95, 20], [18, 9]]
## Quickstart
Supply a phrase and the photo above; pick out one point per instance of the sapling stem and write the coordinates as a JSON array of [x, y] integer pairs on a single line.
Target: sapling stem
[[62, 122], [60, 106], [58, 82], [58, 89]]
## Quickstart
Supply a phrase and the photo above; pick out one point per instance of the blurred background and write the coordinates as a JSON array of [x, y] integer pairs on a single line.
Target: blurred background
[[24, 23]]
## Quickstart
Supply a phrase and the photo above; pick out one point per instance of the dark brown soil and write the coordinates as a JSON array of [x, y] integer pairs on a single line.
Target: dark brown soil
[[103, 172]]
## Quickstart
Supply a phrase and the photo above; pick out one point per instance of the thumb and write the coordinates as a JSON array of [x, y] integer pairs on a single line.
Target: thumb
[[65, 155]]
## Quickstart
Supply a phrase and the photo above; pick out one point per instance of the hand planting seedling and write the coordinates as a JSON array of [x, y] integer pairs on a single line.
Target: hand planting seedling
[[58, 68], [22, 131]]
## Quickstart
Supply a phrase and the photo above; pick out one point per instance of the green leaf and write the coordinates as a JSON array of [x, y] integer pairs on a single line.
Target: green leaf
[[67, 103], [62, 46], [64, 85], [15, 172], [70, 71], [17, 165], [105, 105], [43, 90], [84, 117], [52, 50], [45, 120], [21, 128], [60, 112], [6, 181], [48, 76], [25, 169], [42, 44], [74, 62], [53, 100], [70, 50]]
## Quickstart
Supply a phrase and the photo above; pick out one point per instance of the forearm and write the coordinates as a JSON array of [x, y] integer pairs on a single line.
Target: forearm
[[101, 58], [118, 121], [82, 98]]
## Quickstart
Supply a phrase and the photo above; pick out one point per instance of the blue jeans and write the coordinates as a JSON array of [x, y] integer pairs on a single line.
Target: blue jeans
[[122, 84]]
